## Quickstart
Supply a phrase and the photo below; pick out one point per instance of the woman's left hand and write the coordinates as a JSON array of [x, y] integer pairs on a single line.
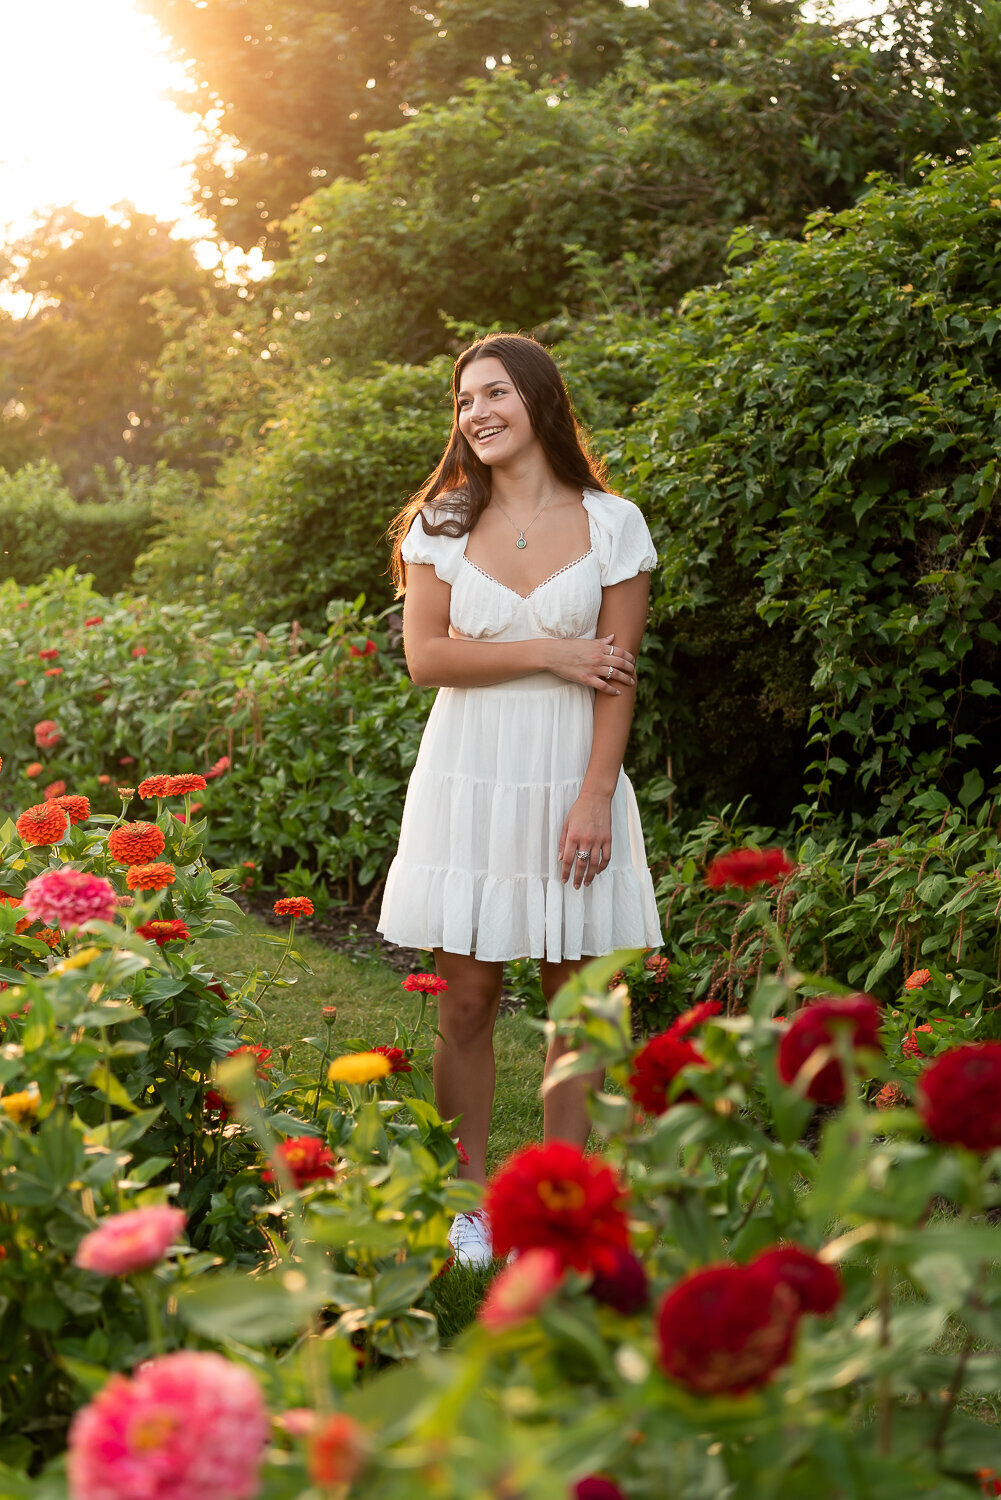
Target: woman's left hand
[[587, 830]]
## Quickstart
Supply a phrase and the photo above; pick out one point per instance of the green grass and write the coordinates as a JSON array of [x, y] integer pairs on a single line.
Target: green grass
[[369, 999]]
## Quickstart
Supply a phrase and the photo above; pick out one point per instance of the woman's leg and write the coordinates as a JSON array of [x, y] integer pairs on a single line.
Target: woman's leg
[[464, 1051], [564, 1108]]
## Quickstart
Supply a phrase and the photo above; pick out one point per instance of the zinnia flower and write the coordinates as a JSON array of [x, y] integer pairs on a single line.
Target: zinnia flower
[[131, 1241], [918, 979], [555, 1196], [187, 1426], [49, 654], [173, 931], [891, 1096], [359, 1067], [33, 769], [396, 1057], [959, 1096], [104, 779], [620, 1281], [76, 808], [657, 965], [180, 786], [369, 649], [293, 906], [218, 768], [656, 1066], [305, 1159], [726, 1329], [155, 877], [519, 1291], [424, 984], [69, 898], [43, 824], [54, 789], [910, 1046], [138, 651], [816, 1284], [22, 1105], [95, 620], [136, 843], [47, 734], [154, 786], [813, 1027], [337, 1452], [596, 1487], [746, 868], [24, 922], [53, 672], [260, 1056]]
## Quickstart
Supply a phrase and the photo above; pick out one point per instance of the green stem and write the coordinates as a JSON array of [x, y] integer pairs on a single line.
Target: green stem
[[269, 982], [151, 1305]]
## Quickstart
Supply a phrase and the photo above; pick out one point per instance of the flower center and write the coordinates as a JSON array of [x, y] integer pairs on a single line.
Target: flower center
[[152, 1430], [562, 1196]]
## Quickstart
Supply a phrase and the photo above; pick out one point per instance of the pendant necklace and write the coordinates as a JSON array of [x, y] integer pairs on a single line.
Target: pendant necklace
[[521, 542]]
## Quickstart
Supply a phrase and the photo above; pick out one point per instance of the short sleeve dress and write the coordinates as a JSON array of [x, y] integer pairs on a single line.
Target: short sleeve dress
[[499, 768]]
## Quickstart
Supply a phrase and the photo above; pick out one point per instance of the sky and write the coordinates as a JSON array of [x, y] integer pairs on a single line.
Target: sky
[[85, 117]]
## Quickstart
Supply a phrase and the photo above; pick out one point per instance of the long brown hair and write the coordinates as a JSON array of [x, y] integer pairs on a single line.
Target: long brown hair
[[464, 479]]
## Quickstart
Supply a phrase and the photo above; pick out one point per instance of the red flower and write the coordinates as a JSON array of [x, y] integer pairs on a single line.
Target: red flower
[[293, 906], [816, 1284], [305, 1159], [815, 1026], [261, 1056], [990, 1481], [95, 620], [916, 980], [424, 984], [337, 1452], [54, 789], [890, 1096], [104, 780], [49, 654], [596, 1487], [174, 931], [689, 1019], [555, 1196], [189, 781], [620, 1281], [127, 760], [959, 1096], [138, 651], [153, 786], [909, 1046], [135, 843], [76, 808], [462, 1153], [657, 965], [726, 1329], [369, 649], [47, 734], [154, 877], [43, 824], [218, 768], [216, 1104], [746, 868], [53, 672], [656, 1066], [396, 1057]]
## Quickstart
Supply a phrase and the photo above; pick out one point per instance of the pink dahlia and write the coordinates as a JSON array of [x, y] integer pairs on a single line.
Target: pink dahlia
[[132, 1241], [186, 1426], [68, 898]]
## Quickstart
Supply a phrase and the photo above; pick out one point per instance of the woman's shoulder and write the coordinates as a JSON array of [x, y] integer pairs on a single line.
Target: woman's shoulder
[[612, 509], [621, 536]]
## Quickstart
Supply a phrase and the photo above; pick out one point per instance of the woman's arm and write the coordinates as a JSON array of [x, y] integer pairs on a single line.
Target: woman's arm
[[589, 823], [436, 659]]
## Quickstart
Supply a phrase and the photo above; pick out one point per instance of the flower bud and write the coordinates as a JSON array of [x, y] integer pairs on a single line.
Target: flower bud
[[329, 1014]]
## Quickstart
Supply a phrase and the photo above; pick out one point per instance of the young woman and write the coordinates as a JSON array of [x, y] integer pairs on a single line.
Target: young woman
[[526, 598]]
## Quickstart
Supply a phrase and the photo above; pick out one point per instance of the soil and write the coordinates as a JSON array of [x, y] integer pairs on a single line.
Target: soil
[[347, 929]]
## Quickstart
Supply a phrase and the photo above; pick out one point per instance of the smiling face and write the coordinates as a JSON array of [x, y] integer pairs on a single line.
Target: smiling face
[[490, 413]]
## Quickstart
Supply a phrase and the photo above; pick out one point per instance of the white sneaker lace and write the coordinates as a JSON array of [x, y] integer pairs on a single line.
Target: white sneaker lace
[[470, 1239]]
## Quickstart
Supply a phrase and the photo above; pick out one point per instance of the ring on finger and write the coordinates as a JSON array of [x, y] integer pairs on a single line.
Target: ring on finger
[[582, 854], [608, 674]]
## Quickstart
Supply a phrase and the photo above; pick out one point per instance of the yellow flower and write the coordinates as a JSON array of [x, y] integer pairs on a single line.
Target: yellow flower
[[77, 960], [17, 1106], [359, 1067]]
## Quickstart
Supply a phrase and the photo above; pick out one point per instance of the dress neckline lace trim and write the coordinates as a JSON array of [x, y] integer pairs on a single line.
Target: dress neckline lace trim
[[508, 589]]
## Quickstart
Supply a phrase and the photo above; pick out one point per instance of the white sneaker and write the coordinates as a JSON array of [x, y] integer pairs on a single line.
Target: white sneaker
[[469, 1237]]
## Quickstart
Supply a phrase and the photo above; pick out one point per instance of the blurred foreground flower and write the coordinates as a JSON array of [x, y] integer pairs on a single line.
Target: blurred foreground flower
[[746, 868], [338, 1449], [959, 1096], [814, 1027], [131, 1241], [186, 1426], [68, 898], [726, 1329], [554, 1196], [359, 1067], [22, 1105], [305, 1159], [521, 1289]]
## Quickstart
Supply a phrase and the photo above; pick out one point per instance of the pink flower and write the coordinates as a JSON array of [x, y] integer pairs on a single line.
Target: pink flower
[[521, 1289], [218, 768], [186, 1426], [68, 898], [128, 1242]]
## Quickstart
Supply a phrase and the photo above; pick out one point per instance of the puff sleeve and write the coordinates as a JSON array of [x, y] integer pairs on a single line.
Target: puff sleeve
[[620, 536], [443, 553]]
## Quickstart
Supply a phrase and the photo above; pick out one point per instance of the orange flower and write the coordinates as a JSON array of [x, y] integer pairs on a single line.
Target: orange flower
[[43, 824], [76, 808], [891, 1097], [94, 620], [179, 786], [293, 906], [50, 935], [337, 1452], [136, 843], [54, 789], [53, 672], [34, 769], [104, 780], [25, 922], [155, 786], [917, 979], [49, 654], [47, 734], [155, 877]]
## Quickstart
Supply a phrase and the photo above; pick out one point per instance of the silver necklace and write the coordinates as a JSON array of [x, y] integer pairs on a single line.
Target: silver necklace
[[521, 542]]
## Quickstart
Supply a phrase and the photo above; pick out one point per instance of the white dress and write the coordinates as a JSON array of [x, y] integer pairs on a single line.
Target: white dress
[[499, 768]]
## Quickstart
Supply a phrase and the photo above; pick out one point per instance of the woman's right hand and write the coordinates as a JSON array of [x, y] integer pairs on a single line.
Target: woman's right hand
[[596, 664]]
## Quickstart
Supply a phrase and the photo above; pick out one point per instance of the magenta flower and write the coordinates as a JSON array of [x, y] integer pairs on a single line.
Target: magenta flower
[[186, 1426], [520, 1290], [132, 1241], [68, 898]]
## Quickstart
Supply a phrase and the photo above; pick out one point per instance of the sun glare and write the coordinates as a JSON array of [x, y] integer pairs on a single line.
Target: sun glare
[[83, 117]]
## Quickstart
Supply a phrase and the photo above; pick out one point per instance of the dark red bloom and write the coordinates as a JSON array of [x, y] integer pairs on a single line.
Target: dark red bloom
[[595, 1487], [817, 1285], [95, 620], [656, 1066], [815, 1026], [424, 984], [462, 1153], [555, 1196], [689, 1019], [726, 1329], [305, 1158], [959, 1096], [620, 1281], [396, 1057], [746, 868], [369, 649], [216, 1104], [160, 932], [262, 1056]]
